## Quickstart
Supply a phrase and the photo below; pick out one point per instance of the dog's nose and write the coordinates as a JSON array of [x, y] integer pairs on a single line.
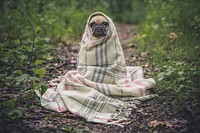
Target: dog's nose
[[98, 29]]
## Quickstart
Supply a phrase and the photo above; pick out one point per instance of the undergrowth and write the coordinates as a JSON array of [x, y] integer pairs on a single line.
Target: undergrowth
[[172, 40]]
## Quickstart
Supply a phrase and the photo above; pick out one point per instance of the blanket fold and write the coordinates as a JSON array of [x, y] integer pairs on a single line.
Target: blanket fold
[[102, 89]]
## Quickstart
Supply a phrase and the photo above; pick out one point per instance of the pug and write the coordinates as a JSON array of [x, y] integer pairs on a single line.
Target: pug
[[99, 26]]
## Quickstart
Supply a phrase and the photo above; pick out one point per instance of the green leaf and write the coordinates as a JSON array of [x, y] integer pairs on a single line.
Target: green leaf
[[18, 72], [38, 29], [41, 87], [37, 39], [180, 73], [33, 78], [44, 87], [49, 57], [23, 57], [21, 78], [14, 114], [40, 71], [160, 76], [30, 95], [38, 62], [16, 41], [9, 104], [4, 59]]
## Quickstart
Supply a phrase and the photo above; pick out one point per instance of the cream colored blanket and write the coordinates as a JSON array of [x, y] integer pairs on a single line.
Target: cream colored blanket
[[102, 89]]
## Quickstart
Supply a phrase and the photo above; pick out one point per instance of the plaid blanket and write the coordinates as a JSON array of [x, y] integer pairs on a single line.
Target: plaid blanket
[[102, 89]]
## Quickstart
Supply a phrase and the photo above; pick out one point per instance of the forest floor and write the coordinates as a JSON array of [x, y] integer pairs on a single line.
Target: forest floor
[[152, 116]]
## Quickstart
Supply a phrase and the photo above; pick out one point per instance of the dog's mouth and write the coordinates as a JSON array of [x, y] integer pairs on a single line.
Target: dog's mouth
[[99, 30]]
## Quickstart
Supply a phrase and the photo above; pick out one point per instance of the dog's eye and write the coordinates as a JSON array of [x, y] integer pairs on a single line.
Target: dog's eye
[[105, 24], [92, 24]]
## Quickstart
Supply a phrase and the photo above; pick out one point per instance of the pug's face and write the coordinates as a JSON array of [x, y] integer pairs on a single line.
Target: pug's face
[[99, 26]]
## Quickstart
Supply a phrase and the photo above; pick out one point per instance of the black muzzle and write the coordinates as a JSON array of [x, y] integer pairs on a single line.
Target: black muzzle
[[99, 30]]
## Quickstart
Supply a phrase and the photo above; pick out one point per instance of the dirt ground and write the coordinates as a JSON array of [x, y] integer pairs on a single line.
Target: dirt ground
[[153, 116]]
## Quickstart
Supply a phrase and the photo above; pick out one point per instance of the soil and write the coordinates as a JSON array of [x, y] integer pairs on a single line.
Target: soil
[[154, 116]]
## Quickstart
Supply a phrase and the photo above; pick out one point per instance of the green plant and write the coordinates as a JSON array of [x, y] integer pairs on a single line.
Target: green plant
[[12, 112], [170, 35], [180, 80]]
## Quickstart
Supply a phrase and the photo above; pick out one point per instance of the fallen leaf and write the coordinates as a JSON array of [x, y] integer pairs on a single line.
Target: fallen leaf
[[156, 123]]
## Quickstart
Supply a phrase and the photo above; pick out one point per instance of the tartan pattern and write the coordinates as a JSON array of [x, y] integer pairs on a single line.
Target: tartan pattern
[[102, 89]]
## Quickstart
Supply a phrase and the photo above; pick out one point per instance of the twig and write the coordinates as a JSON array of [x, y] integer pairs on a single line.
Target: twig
[[65, 62], [33, 37]]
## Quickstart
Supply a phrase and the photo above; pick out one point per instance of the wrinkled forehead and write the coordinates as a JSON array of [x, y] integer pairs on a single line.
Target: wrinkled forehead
[[95, 15]]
